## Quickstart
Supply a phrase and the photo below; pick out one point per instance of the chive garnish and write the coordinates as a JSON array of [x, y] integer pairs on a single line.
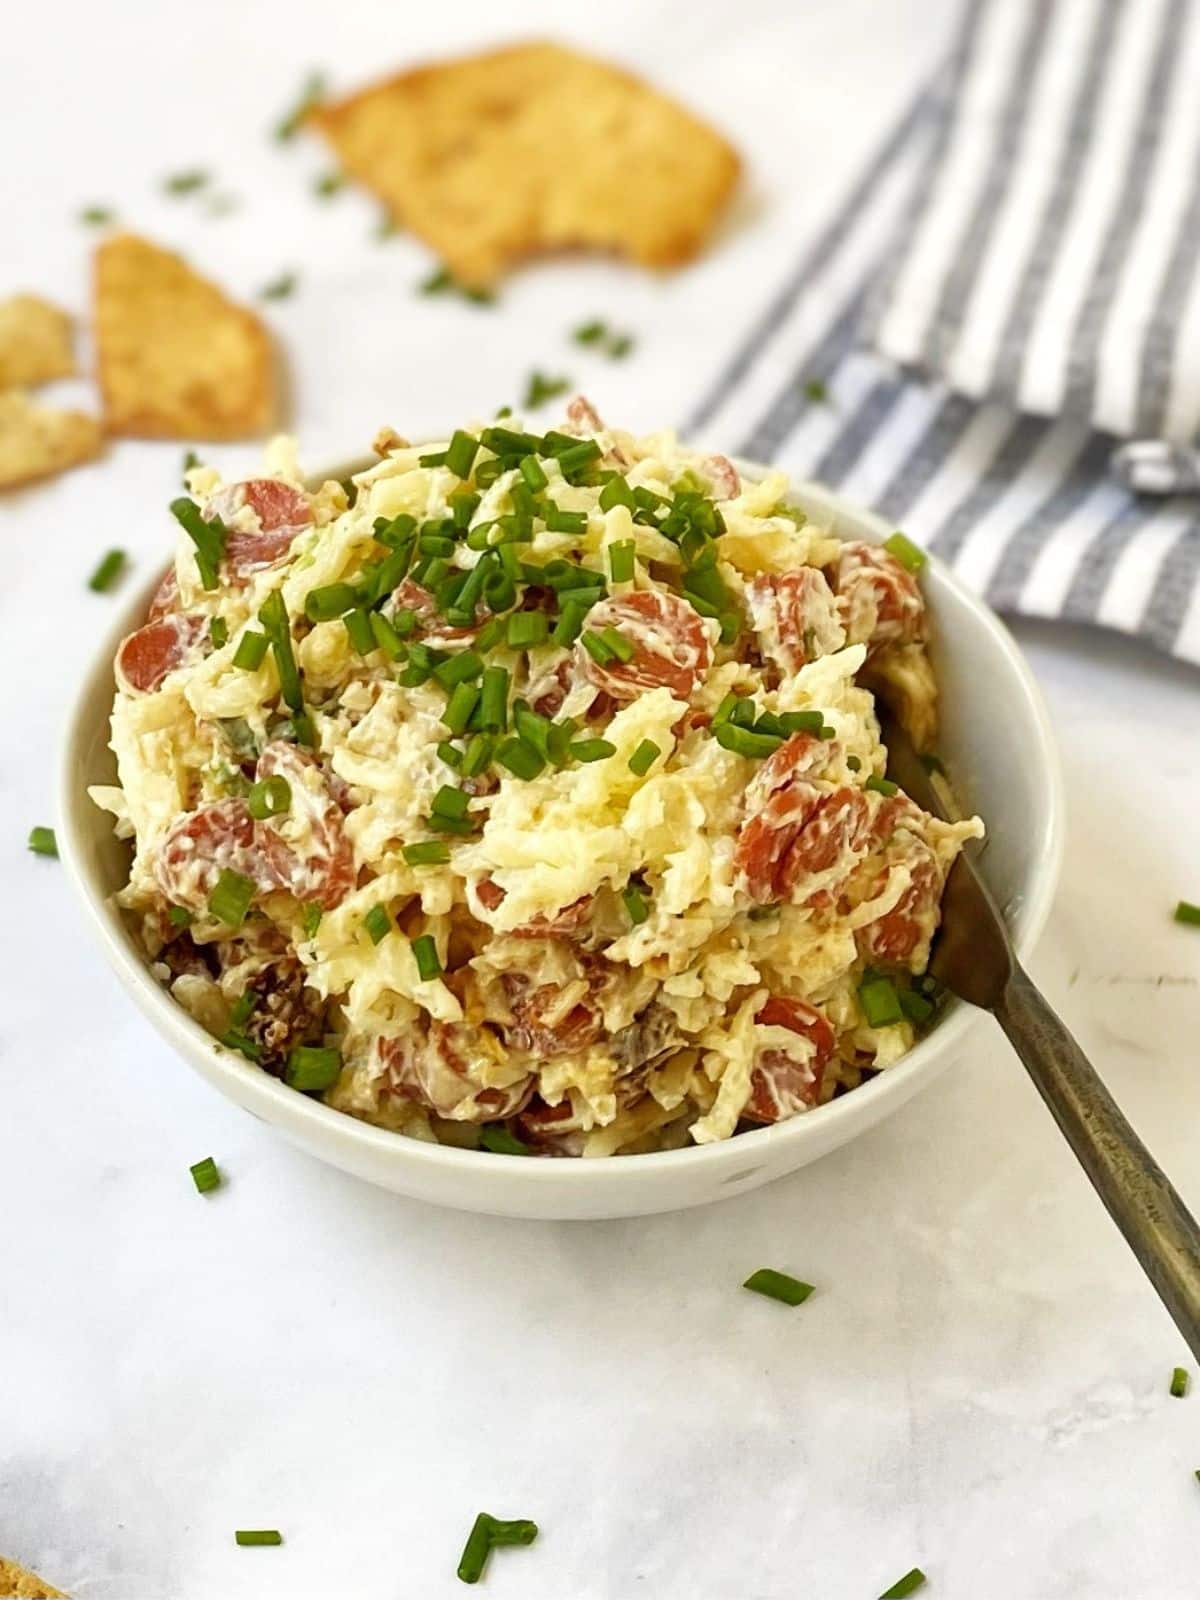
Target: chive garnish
[[280, 288], [778, 1286], [460, 706], [619, 346], [107, 573], [644, 757], [450, 802], [251, 1536], [328, 184], [205, 1175], [218, 632], [908, 1584], [97, 216], [616, 492], [527, 628], [745, 742], [1188, 913], [462, 668], [277, 626], [559, 521], [310, 95], [815, 390], [539, 389], [425, 953], [310, 919], [427, 853], [635, 904], [312, 1068], [590, 332], [909, 555], [854, 764], [618, 645], [567, 628], [461, 452], [533, 473], [520, 758], [620, 560], [881, 785], [915, 1006], [596, 648], [329, 602], [1179, 1382], [493, 709], [880, 1003], [357, 624], [494, 1136], [477, 755], [207, 535], [386, 637], [591, 750], [181, 183], [377, 924], [179, 917], [231, 897], [269, 797], [42, 842], [486, 1533]]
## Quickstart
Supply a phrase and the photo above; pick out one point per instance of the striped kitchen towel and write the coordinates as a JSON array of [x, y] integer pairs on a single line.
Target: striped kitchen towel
[[1053, 259], [1025, 509]]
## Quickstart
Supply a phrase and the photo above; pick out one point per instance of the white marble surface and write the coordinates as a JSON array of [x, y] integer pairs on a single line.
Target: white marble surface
[[980, 1384]]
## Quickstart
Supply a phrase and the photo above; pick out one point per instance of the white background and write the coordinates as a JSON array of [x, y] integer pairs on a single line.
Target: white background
[[978, 1386]]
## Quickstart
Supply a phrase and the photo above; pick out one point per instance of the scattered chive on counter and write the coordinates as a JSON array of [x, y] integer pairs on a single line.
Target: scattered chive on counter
[[280, 288], [815, 391], [1187, 913], [42, 842], [107, 572], [779, 1286], [97, 216], [328, 184], [187, 182], [205, 1175], [912, 1580], [487, 1533], [442, 281], [1179, 1383], [254, 1536], [539, 389], [311, 95]]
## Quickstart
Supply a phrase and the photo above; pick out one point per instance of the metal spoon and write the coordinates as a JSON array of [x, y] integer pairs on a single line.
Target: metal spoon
[[974, 959]]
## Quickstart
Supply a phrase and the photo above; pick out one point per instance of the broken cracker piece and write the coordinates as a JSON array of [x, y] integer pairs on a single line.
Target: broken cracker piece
[[177, 359], [16, 1583], [493, 158], [35, 342], [37, 441]]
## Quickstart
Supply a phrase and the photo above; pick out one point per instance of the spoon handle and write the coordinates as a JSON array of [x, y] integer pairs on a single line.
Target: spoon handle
[[1158, 1227]]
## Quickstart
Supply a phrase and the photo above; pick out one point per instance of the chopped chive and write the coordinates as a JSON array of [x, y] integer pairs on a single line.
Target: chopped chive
[[591, 750], [539, 389], [269, 797], [494, 1136], [280, 288], [357, 624], [854, 763], [616, 492], [435, 458], [428, 853], [814, 390], [802, 721], [42, 842], [520, 758], [327, 184], [619, 646], [880, 1003], [450, 754], [252, 648], [450, 802], [533, 473], [778, 1286], [881, 785], [461, 453], [559, 521], [934, 764], [619, 346], [1179, 1383], [425, 952], [386, 636], [743, 713], [1187, 913], [590, 332], [310, 918], [725, 710], [635, 904], [487, 1532], [181, 183], [277, 626], [527, 628], [460, 706], [107, 573], [377, 924], [463, 507], [439, 281], [231, 897], [620, 560], [310, 95], [179, 917], [457, 825], [905, 551], [208, 536], [218, 632], [903, 1587], [312, 1068], [477, 755], [205, 1175], [250, 1536], [915, 1006], [97, 216], [644, 757], [243, 1008], [329, 602], [570, 622], [459, 669], [494, 700], [234, 1039], [596, 648], [578, 456], [745, 742], [532, 727]]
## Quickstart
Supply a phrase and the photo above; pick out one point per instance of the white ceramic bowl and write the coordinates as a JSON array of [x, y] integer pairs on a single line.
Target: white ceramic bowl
[[997, 742]]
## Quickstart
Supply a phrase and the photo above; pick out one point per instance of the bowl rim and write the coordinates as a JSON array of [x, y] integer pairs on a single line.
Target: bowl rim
[[314, 1122]]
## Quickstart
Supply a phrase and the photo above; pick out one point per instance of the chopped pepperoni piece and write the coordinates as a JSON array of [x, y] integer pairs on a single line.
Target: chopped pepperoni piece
[[541, 1027], [783, 1084], [146, 657], [282, 511], [564, 924], [307, 846], [433, 1067], [583, 416], [551, 1130], [198, 847], [776, 852], [670, 646], [165, 598], [547, 695], [795, 615], [880, 600], [902, 934], [435, 630], [723, 476]]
